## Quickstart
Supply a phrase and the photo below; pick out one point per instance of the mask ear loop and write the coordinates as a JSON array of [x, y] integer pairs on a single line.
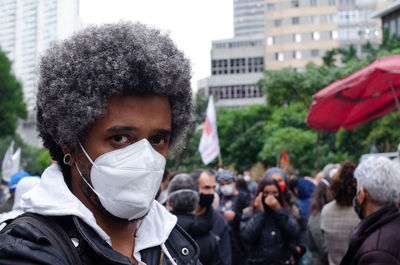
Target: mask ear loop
[[87, 182], [86, 154]]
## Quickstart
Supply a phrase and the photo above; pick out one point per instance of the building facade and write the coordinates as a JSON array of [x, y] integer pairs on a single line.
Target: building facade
[[390, 16], [301, 31], [27, 27], [237, 64], [248, 17]]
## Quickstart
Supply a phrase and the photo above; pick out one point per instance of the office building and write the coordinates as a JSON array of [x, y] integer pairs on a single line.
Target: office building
[[301, 31], [27, 27]]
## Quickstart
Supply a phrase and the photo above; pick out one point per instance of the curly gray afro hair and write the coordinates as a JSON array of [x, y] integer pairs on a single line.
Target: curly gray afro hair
[[79, 75]]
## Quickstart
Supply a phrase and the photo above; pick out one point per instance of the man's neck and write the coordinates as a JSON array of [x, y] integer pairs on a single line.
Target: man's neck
[[200, 210], [121, 233]]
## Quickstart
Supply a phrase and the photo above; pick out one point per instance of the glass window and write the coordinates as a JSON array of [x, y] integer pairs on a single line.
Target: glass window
[[295, 3], [278, 22], [297, 37], [296, 54], [279, 56], [334, 35], [315, 35], [314, 19], [270, 7], [270, 40], [295, 20], [313, 2], [315, 53], [332, 2]]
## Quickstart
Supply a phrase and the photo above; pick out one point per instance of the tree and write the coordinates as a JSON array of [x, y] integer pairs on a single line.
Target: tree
[[241, 134], [12, 105]]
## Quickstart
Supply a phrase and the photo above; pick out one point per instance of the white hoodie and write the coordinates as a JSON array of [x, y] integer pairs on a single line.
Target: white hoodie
[[53, 197]]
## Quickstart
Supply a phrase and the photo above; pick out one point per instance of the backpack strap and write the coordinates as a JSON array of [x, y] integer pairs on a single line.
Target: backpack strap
[[57, 237]]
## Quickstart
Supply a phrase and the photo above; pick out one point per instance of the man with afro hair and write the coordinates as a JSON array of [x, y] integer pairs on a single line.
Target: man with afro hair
[[112, 100]]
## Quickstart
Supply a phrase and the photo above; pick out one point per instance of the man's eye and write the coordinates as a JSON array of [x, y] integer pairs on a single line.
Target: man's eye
[[159, 140], [120, 139]]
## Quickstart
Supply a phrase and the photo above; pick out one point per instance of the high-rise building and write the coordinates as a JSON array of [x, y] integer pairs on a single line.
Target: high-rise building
[[301, 31], [248, 17], [27, 27]]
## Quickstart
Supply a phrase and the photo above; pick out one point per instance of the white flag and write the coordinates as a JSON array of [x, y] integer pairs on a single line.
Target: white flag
[[209, 144], [11, 162]]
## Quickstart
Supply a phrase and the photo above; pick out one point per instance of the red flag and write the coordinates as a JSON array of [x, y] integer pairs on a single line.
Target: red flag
[[284, 160]]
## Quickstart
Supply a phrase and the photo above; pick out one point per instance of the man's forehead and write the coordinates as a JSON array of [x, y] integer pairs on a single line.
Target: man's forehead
[[206, 178]]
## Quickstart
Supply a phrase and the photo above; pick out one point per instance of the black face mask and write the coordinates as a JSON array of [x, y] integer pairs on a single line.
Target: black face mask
[[357, 207], [267, 209], [206, 200]]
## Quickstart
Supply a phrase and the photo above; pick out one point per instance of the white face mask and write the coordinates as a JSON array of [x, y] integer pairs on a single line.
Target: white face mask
[[227, 190], [247, 178], [126, 180]]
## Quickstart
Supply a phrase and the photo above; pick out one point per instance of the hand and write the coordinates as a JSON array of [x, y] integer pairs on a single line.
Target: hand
[[258, 202], [272, 202], [229, 215]]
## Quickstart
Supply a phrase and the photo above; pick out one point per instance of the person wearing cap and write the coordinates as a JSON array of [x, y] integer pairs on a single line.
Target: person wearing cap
[[231, 205], [112, 100], [183, 199], [376, 240], [8, 204]]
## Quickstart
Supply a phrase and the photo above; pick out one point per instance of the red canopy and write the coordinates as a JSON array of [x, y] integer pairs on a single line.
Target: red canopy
[[357, 98]]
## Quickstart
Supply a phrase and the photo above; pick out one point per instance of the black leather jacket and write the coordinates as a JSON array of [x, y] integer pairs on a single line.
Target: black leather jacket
[[24, 244]]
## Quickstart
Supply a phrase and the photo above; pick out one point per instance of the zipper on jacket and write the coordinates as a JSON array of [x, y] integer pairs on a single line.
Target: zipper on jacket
[[161, 257]]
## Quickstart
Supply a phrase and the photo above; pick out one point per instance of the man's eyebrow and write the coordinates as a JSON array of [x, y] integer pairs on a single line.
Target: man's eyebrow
[[164, 132], [117, 128]]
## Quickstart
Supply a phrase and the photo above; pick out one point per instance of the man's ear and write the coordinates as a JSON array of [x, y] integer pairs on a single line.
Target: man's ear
[[69, 156], [169, 202], [362, 195]]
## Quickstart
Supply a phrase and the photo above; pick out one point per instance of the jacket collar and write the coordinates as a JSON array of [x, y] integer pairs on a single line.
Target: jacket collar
[[52, 197], [367, 226]]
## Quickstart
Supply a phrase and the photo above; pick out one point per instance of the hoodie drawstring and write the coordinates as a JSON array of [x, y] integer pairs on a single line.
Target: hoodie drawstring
[[165, 250]]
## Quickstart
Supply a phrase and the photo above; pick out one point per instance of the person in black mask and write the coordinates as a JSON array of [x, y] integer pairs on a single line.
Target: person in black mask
[[268, 227], [183, 198], [204, 210], [376, 239]]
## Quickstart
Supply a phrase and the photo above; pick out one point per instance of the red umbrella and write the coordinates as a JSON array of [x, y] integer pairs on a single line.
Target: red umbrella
[[357, 98]]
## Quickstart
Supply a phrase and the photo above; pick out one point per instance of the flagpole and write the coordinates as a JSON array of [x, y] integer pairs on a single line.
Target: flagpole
[[220, 165]]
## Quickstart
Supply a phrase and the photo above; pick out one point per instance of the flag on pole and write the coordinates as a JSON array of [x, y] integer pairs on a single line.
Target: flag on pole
[[209, 143], [11, 162], [284, 160]]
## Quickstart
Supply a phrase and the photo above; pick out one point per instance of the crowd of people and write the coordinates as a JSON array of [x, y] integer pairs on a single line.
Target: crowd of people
[[287, 220], [112, 101]]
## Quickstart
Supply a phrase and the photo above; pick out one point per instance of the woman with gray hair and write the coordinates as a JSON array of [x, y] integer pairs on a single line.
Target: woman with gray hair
[[376, 239], [112, 100], [183, 198]]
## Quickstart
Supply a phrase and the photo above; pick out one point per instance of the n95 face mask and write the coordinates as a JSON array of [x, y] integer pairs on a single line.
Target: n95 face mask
[[126, 180]]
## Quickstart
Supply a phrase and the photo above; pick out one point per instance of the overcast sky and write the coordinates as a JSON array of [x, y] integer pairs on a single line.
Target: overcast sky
[[192, 24]]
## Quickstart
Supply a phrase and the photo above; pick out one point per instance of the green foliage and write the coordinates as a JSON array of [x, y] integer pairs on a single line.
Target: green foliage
[[241, 134], [44, 160], [299, 145], [385, 134], [260, 133], [12, 106]]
